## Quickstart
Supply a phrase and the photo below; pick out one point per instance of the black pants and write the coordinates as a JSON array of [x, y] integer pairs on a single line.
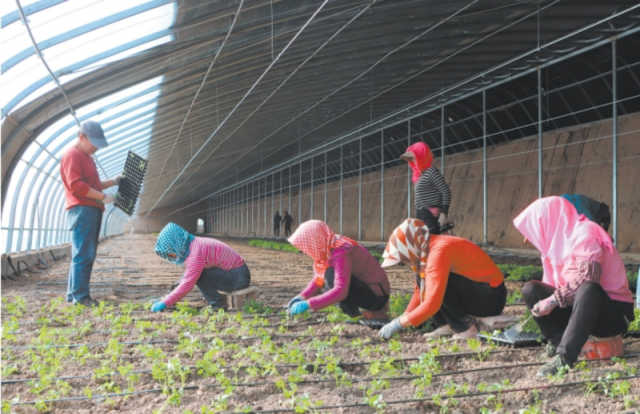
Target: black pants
[[287, 230], [276, 230], [429, 219], [360, 295], [465, 297], [592, 313], [215, 279]]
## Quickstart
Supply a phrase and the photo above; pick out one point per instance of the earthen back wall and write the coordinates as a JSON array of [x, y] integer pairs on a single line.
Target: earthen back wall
[[576, 160]]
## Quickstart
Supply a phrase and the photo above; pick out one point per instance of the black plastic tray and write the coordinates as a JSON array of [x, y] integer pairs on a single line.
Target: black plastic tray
[[520, 339], [129, 188]]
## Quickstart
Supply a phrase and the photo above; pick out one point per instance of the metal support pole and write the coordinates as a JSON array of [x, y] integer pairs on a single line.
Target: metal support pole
[[300, 195], [273, 193], [360, 189], [614, 143], [408, 171], [280, 192], [382, 185], [264, 199], [289, 185], [324, 206], [540, 154], [442, 127], [484, 166], [341, 185], [246, 203], [253, 217], [311, 207]]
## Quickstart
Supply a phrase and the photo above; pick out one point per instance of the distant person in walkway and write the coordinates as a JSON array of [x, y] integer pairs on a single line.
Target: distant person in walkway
[[592, 209], [432, 196], [455, 281], [348, 273], [209, 263], [287, 220], [584, 289], [276, 224], [85, 203]]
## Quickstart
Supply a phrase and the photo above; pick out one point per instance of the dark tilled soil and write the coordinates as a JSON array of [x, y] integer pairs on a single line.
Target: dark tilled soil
[[127, 271]]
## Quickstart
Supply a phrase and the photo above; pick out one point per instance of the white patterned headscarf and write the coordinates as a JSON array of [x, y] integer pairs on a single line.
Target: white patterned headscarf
[[174, 239], [409, 243]]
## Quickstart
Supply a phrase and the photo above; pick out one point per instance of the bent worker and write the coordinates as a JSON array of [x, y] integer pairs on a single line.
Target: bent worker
[[209, 263], [349, 274], [584, 289], [594, 210], [455, 281], [432, 194]]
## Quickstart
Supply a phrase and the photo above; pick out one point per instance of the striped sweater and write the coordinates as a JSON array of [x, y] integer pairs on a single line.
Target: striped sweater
[[432, 191], [204, 253]]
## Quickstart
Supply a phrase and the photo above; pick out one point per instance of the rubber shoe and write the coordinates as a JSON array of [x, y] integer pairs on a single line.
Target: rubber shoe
[[444, 330], [471, 332], [87, 301], [552, 367], [550, 350]]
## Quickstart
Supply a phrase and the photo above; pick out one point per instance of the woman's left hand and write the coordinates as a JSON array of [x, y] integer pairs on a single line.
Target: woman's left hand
[[158, 306], [299, 307], [544, 307], [390, 329]]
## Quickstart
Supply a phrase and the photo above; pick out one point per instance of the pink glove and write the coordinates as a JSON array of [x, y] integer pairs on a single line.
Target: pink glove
[[544, 306]]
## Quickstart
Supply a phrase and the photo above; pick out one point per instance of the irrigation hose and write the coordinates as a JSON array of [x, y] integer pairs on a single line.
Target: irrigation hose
[[333, 407]]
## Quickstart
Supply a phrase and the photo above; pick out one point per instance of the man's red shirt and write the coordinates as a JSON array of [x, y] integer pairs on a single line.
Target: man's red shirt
[[79, 174]]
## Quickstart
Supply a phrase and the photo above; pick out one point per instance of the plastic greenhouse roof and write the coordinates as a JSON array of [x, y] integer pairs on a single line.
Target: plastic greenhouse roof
[[214, 92]]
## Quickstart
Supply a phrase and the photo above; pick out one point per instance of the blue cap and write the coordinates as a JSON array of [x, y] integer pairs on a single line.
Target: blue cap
[[93, 131]]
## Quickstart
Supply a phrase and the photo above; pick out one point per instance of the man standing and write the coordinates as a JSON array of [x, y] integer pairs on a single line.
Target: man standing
[[85, 204], [287, 220], [276, 224]]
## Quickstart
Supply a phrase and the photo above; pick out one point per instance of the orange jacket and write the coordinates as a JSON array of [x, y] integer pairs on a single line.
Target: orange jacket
[[449, 254]]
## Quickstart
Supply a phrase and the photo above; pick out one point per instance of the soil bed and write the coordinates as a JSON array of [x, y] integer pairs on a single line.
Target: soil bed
[[185, 360]]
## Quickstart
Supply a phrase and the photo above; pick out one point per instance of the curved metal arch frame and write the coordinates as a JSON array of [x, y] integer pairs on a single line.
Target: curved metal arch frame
[[78, 31], [52, 168]]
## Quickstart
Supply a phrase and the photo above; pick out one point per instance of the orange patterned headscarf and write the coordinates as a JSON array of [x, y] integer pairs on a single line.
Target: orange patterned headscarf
[[409, 243], [316, 239]]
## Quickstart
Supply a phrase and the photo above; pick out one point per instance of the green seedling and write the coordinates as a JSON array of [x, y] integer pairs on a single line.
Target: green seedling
[[514, 296], [426, 366], [398, 303], [519, 273], [14, 307]]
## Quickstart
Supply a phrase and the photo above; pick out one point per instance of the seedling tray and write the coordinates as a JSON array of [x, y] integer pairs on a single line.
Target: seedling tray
[[129, 188], [516, 340]]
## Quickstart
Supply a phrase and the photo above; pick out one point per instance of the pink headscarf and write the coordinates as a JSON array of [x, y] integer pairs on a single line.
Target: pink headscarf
[[316, 239], [554, 227], [424, 159]]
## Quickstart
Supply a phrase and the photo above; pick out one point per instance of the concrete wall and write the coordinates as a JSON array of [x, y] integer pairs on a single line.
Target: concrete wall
[[36, 260], [575, 160]]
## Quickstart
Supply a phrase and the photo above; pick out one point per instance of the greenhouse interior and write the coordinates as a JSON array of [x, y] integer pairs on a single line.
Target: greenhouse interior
[[249, 127]]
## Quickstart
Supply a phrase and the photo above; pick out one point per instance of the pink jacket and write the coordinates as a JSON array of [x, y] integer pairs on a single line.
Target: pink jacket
[[348, 261], [566, 239], [204, 253]]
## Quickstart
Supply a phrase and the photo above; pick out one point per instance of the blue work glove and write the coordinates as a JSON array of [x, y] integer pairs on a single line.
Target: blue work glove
[[294, 300], [299, 307], [158, 306], [389, 329]]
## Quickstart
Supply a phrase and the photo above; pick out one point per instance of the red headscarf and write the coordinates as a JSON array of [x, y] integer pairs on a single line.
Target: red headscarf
[[423, 159], [315, 239]]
